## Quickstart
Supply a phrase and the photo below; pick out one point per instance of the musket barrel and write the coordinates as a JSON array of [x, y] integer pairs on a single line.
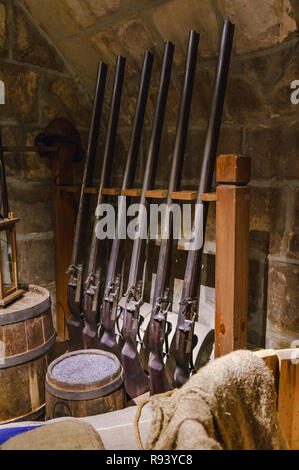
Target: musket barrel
[[112, 285], [135, 379], [136, 267], [155, 334], [189, 302], [192, 274], [96, 254], [74, 322], [105, 175], [93, 138]]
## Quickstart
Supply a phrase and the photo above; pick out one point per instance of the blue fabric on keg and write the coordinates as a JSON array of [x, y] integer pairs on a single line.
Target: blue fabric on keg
[[7, 433], [84, 368]]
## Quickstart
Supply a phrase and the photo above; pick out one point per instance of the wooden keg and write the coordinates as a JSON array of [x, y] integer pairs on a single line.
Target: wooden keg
[[26, 339], [84, 383]]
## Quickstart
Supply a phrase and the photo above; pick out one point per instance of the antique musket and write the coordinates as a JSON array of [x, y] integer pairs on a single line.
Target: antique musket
[[182, 341], [91, 299], [75, 271], [109, 304], [136, 381], [156, 329]]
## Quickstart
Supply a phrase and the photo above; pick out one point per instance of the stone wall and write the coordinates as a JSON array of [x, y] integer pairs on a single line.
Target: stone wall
[[259, 118], [39, 85]]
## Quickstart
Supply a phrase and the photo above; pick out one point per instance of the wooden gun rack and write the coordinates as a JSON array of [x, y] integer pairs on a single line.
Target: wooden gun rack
[[232, 199], [232, 237]]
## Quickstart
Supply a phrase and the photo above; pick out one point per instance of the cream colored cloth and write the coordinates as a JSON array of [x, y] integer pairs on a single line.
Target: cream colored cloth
[[69, 434], [228, 404]]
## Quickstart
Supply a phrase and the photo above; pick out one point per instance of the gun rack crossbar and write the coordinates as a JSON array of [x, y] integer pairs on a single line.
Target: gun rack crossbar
[[136, 192]]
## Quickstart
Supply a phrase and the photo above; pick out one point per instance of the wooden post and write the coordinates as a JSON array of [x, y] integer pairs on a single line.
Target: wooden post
[[284, 364], [232, 237], [288, 395], [64, 221]]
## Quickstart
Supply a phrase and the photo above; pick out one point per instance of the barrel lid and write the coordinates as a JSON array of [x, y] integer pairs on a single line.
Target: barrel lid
[[84, 374], [35, 301]]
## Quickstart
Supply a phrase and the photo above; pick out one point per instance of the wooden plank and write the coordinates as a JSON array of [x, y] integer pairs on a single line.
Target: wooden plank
[[75, 189], [210, 197], [91, 190], [64, 221], [233, 169], [231, 284], [184, 195], [156, 193], [288, 395], [271, 360], [111, 191], [134, 192]]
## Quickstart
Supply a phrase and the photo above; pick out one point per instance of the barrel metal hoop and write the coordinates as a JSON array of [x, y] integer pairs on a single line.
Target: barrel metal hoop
[[85, 394], [7, 362], [27, 313]]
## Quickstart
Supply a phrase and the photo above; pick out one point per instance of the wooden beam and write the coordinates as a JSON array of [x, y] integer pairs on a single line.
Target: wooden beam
[[111, 191], [232, 251], [233, 168], [64, 221], [75, 189], [184, 195], [192, 196], [91, 190], [134, 192], [156, 193], [209, 197], [288, 395]]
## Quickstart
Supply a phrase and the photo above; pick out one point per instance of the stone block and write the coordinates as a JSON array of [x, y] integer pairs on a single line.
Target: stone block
[[268, 214], [173, 20], [258, 26], [36, 260], [32, 203], [135, 37], [293, 235], [3, 32], [202, 95], [230, 140], [31, 47], [283, 296], [62, 97], [21, 93], [274, 151], [60, 18], [14, 161], [281, 93], [243, 100]]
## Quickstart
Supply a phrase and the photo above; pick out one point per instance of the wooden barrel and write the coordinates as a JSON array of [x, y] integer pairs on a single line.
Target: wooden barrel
[[26, 339], [84, 383]]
